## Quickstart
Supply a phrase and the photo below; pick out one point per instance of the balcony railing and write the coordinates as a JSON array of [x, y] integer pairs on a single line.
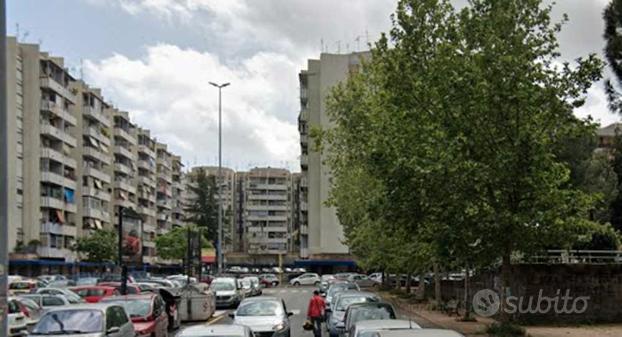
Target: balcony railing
[[58, 134], [97, 115], [96, 193], [50, 153], [59, 111], [97, 154], [125, 185], [146, 150], [121, 133], [120, 167], [50, 83], [96, 173], [62, 253], [59, 229], [93, 132], [96, 213]]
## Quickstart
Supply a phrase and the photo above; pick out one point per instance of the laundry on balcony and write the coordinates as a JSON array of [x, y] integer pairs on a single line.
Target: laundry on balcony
[[69, 196], [98, 224], [97, 183], [60, 217]]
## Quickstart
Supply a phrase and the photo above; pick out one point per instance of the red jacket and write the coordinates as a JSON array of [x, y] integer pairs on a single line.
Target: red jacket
[[316, 307]]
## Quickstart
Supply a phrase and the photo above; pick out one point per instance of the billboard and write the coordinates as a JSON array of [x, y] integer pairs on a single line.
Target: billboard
[[132, 241]]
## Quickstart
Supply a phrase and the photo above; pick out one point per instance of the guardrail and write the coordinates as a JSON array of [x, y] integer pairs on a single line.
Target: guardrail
[[575, 257]]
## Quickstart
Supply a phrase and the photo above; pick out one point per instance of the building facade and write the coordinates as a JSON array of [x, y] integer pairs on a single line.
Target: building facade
[[321, 235], [76, 160]]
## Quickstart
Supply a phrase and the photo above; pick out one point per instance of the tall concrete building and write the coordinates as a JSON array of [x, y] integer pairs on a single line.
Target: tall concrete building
[[267, 210], [324, 240], [75, 160]]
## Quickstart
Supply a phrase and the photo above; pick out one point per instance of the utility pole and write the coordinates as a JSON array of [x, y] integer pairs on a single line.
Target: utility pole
[[219, 246], [4, 177], [120, 253]]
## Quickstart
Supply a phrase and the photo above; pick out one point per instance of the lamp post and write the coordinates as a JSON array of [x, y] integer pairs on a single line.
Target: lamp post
[[4, 190], [219, 246]]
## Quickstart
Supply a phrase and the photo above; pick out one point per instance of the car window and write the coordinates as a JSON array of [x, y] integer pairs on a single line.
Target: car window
[[50, 301], [259, 308], [115, 317], [84, 321], [344, 302], [13, 307]]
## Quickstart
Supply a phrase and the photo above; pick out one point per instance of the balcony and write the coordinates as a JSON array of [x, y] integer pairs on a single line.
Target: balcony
[[267, 218], [146, 165], [58, 134], [95, 193], [50, 202], [93, 132], [50, 83], [267, 207], [146, 211], [147, 181], [163, 216], [164, 162], [96, 173], [57, 156], [59, 229], [96, 154], [267, 196], [304, 206], [121, 133], [58, 253], [146, 150], [125, 185], [57, 179], [123, 151], [96, 213], [59, 111], [119, 167], [304, 161], [149, 228], [97, 115], [304, 230], [125, 203], [165, 204]]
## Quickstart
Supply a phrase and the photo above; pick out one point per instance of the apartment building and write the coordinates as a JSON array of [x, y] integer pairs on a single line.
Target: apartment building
[[325, 235], [179, 203], [267, 210], [299, 217], [75, 161]]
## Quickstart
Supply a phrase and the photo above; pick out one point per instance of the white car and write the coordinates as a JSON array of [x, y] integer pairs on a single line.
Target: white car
[[17, 320], [217, 330], [306, 280], [48, 301], [72, 297]]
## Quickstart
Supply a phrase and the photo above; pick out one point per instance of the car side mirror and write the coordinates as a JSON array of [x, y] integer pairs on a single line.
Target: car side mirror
[[113, 330], [290, 314]]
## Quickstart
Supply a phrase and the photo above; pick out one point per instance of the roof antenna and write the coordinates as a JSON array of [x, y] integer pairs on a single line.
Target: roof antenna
[[321, 45]]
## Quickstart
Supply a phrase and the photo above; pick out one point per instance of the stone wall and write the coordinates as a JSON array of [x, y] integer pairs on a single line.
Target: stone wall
[[594, 290]]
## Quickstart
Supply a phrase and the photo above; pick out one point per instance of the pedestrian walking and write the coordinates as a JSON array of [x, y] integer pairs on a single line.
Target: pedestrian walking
[[315, 313]]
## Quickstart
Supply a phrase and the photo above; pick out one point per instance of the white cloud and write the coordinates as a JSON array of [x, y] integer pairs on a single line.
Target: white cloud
[[167, 91]]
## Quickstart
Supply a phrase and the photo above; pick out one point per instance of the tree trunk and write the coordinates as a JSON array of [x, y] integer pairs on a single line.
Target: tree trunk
[[398, 282], [506, 274], [467, 296], [408, 276], [437, 284]]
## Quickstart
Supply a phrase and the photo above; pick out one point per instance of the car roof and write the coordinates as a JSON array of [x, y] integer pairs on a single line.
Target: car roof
[[352, 293], [370, 304], [92, 287], [386, 324], [419, 333], [83, 306], [220, 279], [147, 296], [262, 299], [214, 330]]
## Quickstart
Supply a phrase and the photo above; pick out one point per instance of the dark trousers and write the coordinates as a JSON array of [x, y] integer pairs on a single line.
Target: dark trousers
[[317, 326]]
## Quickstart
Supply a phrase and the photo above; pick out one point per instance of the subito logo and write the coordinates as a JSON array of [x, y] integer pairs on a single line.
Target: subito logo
[[486, 303]]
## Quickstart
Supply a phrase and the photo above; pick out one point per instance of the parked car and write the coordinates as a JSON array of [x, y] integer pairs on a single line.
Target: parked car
[[61, 283], [87, 281], [306, 280], [341, 304], [376, 277], [228, 293], [22, 287], [217, 330], [94, 294], [96, 320], [50, 278], [338, 287], [343, 276], [162, 282], [147, 313], [300, 270], [132, 288], [48, 301], [363, 281], [255, 285], [364, 312], [72, 297], [269, 280], [16, 319], [146, 287], [418, 333], [264, 316], [30, 309], [370, 327]]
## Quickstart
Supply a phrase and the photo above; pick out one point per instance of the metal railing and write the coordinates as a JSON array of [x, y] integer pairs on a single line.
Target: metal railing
[[574, 257]]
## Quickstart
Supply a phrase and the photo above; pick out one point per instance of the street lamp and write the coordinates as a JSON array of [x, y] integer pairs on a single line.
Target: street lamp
[[219, 246]]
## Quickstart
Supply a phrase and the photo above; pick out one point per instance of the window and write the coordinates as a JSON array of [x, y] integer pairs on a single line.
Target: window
[[52, 301], [115, 317]]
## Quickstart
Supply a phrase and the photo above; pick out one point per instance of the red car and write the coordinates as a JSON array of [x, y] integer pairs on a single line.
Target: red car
[[94, 294], [147, 312], [132, 289]]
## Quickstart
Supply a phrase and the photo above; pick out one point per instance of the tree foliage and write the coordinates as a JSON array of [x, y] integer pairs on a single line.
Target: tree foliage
[[174, 244], [445, 146], [100, 246], [203, 209], [613, 52]]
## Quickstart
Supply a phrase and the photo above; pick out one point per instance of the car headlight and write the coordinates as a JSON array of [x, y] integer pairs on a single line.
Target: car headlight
[[279, 327]]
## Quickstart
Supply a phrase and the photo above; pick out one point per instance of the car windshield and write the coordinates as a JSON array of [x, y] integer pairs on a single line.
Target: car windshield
[[19, 286], [369, 313], [86, 281], [70, 321], [136, 308], [90, 292], [345, 301], [220, 286], [259, 308]]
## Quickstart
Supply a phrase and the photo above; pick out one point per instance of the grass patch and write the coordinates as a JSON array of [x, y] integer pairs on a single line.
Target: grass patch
[[505, 330]]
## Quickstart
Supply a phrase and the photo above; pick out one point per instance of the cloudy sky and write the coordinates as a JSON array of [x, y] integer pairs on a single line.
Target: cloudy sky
[[154, 58]]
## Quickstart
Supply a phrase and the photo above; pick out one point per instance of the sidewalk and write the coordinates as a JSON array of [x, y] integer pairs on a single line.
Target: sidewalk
[[435, 319]]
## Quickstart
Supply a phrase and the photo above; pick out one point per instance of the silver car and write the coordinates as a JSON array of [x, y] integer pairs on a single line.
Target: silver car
[[369, 328], [228, 292], [217, 330], [86, 320], [418, 333], [341, 304], [266, 316]]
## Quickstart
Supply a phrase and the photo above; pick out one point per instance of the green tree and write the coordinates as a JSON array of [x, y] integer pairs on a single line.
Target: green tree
[[613, 51], [100, 246], [174, 244], [459, 116], [203, 209]]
